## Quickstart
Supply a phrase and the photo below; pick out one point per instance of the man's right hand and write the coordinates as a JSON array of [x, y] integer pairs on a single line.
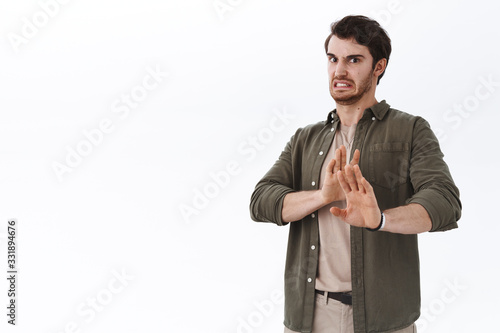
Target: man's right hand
[[332, 190]]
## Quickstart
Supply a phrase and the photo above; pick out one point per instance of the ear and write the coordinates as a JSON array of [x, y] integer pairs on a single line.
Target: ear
[[380, 67]]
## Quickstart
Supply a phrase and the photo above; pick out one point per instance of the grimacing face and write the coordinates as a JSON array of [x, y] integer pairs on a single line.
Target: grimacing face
[[350, 70]]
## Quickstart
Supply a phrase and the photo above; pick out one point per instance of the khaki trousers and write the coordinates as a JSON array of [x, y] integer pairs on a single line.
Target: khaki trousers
[[331, 316]]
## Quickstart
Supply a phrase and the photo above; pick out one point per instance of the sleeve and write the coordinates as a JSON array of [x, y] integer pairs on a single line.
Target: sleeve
[[266, 202], [432, 181]]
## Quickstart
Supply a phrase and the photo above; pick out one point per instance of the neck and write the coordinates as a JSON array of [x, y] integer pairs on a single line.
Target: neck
[[351, 114]]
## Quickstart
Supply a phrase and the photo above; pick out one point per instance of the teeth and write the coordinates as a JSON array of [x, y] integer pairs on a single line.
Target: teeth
[[342, 85]]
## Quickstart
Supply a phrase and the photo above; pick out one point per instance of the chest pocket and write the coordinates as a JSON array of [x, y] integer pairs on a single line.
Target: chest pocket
[[388, 164]]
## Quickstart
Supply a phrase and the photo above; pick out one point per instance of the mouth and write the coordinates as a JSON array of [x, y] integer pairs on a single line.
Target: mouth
[[342, 85]]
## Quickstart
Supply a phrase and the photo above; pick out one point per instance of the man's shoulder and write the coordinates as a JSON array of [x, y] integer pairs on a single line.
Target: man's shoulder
[[318, 126], [309, 134], [384, 111], [311, 129], [394, 113], [396, 117]]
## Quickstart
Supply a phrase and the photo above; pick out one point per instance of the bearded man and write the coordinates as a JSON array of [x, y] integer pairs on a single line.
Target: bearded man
[[356, 190]]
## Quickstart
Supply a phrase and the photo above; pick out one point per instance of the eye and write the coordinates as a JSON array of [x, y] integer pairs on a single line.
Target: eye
[[332, 59], [355, 60]]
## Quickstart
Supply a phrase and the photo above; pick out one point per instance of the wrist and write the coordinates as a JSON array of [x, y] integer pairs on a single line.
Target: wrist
[[322, 199], [325, 198], [381, 224]]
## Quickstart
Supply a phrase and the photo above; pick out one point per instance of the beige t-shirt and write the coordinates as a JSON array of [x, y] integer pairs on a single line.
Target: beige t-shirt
[[334, 267]]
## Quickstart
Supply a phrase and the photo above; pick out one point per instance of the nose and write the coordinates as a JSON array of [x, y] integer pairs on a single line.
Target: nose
[[340, 69]]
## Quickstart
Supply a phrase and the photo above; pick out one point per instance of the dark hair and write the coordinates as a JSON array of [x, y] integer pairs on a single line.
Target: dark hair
[[365, 31]]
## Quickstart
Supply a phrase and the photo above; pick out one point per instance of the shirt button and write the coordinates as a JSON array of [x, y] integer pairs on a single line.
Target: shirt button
[[320, 153], [313, 215], [313, 183], [313, 247], [331, 130], [309, 280], [373, 118]]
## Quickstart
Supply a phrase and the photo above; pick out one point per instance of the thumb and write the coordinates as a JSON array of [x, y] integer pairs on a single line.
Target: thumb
[[336, 211]]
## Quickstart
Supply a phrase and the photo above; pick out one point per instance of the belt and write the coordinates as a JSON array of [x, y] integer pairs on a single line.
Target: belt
[[344, 298]]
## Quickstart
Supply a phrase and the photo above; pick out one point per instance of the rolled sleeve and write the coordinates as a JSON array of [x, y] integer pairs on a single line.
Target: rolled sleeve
[[432, 181], [443, 213], [266, 203]]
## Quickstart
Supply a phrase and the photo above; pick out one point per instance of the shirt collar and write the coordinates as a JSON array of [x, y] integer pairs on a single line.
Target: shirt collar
[[378, 110]]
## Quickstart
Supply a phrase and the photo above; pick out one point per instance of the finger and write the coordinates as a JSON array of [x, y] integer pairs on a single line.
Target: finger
[[338, 157], [359, 179], [343, 183], [367, 186], [330, 167], [355, 157], [343, 155], [351, 179]]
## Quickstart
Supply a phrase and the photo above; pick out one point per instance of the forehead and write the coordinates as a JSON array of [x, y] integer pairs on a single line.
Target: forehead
[[345, 47]]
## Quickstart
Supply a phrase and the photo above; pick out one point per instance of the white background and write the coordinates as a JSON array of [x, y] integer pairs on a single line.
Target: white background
[[119, 210]]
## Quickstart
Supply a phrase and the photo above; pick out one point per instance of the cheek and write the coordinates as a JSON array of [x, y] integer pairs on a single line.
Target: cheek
[[365, 71], [331, 71]]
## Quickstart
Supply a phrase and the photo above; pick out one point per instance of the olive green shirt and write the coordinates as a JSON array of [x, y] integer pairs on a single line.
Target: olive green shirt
[[401, 158]]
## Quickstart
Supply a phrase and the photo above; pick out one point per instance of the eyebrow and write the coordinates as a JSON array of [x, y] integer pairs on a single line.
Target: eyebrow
[[351, 56]]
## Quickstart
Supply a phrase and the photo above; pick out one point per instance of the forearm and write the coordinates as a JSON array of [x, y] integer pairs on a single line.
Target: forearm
[[410, 219], [297, 205]]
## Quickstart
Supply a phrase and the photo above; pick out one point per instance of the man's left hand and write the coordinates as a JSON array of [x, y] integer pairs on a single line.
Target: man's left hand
[[362, 208]]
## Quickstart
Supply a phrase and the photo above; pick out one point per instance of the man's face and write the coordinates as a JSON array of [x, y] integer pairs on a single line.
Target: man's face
[[349, 70]]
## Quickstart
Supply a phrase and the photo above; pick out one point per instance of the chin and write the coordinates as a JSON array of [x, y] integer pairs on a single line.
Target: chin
[[346, 99]]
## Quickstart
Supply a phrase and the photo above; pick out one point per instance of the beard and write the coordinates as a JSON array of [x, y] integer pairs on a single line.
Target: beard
[[344, 98]]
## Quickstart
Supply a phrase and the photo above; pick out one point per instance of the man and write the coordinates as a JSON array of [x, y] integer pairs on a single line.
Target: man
[[352, 260]]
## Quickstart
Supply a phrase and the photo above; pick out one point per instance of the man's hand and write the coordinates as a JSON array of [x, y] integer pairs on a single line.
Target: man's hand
[[332, 190], [296, 205], [362, 208]]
